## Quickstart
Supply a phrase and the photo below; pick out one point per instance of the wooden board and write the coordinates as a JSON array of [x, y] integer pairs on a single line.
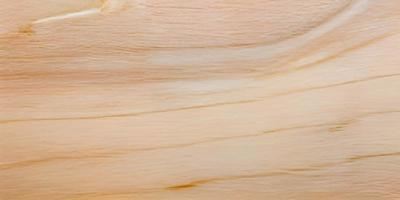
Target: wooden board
[[201, 99]]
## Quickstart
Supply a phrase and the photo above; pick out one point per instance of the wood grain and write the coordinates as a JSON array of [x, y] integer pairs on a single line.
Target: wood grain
[[201, 99]]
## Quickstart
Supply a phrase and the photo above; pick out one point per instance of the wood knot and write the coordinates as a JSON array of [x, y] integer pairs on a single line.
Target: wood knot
[[26, 30]]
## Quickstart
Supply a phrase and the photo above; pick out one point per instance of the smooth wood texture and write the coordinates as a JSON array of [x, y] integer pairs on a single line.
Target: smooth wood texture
[[199, 99]]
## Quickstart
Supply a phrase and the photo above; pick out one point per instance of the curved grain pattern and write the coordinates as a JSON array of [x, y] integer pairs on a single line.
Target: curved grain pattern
[[211, 99]]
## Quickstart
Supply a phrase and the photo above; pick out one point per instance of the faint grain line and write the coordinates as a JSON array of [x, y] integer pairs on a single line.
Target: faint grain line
[[205, 181], [334, 85], [262, 52], [332, 57], [89, 155], [363, 157], [129, 114], [225, 178], [238, 45], [32, 162], [100, 155], [258, 99], [289, 171]]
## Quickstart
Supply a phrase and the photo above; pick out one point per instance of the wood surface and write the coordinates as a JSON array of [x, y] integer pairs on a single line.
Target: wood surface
[[199, 99]]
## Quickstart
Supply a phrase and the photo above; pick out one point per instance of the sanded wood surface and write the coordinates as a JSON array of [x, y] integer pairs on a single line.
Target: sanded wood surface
[[199, 99]]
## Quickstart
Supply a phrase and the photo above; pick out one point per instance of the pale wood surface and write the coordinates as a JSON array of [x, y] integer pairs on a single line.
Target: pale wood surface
[[199, 99]]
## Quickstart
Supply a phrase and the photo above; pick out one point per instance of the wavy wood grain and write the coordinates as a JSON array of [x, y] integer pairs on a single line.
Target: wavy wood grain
[[212, 99]]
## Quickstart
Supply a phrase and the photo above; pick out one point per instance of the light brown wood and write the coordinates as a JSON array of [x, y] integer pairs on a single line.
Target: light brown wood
[[201, 99]]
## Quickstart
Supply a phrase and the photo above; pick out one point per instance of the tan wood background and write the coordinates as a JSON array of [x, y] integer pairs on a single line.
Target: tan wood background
[[199, 99]]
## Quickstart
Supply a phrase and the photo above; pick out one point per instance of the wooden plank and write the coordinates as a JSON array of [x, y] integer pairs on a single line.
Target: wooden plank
[[212, 99]]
